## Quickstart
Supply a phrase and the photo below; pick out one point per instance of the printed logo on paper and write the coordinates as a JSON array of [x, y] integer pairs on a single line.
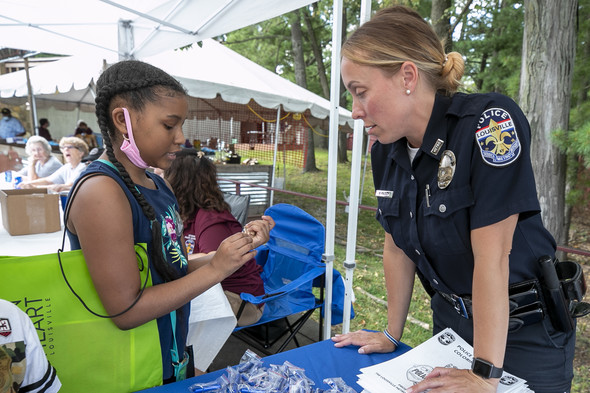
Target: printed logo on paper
[[497, 138], [446, 338], [508, 380], [416, 374], [5, 329]]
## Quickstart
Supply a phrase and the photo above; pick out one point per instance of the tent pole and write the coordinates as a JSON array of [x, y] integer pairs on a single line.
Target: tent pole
[[126, 41], [328, 256], [33, 112], [357, 146], [274, 159]]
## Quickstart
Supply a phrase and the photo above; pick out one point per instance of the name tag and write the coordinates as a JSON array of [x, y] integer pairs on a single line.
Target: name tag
[[383, 194]]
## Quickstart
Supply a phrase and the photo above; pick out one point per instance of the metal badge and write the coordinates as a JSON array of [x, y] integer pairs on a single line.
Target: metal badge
[[446, 169]]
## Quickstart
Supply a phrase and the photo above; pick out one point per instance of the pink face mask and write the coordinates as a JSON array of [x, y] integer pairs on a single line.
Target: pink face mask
[[129, 147]]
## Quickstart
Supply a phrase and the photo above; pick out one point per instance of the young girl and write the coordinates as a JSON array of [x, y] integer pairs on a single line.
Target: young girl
[[140, 111], [207, 221]]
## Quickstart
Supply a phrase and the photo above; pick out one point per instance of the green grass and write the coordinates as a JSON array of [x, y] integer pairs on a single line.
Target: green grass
[[368, 280]]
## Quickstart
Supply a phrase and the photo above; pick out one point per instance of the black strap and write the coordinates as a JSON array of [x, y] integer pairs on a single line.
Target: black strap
[[73, 193], [462, 304]]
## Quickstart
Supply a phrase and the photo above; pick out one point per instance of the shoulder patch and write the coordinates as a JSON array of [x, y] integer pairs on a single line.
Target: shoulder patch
[[497, 138]]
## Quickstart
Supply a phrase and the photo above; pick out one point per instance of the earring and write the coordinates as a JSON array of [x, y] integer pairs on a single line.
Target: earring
[[125, 137], [408, 92]]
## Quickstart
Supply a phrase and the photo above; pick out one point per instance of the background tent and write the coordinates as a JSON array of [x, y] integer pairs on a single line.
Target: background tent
[[212, 72]]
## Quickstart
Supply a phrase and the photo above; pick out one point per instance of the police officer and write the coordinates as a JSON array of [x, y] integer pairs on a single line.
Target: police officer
[[457, 199]]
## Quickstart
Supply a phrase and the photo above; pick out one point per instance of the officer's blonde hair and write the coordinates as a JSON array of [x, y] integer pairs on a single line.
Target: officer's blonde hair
[[398, 34]]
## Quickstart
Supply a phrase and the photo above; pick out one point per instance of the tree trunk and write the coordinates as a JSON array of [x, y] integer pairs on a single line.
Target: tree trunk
[[545, 88], [317, 53], [301, 80], [441, 22], [297, 45]]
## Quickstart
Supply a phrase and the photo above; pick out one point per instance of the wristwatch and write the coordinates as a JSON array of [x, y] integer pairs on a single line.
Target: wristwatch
[[485, 369]]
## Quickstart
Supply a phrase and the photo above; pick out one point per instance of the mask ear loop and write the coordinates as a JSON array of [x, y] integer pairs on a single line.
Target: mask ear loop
[[128, 147]]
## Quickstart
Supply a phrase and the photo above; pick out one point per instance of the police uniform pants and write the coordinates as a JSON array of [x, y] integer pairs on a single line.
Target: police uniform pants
[[537, 353]]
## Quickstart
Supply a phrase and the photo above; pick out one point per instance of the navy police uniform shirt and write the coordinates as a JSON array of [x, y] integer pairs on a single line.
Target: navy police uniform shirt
[[472, 170]]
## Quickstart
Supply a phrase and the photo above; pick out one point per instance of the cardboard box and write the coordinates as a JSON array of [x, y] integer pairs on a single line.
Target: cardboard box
[[26, 212]]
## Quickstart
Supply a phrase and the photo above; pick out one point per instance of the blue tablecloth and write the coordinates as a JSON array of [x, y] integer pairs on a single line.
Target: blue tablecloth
[[320, 360]]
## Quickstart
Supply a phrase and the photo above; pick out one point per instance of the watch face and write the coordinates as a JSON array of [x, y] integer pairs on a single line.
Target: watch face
[[485, 369], [482, 368]]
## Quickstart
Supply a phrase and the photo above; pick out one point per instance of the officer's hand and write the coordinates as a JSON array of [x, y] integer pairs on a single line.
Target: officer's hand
[[368, 342], [442, 380]]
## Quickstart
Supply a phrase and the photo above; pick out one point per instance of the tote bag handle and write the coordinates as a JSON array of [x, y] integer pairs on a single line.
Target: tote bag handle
[[141, 266]]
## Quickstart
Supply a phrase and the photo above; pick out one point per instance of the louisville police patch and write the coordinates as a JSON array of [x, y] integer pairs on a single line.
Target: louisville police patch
[[497, 138]]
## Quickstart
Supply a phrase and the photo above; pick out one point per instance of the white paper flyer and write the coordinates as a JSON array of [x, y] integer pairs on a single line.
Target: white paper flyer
[[446, 349]]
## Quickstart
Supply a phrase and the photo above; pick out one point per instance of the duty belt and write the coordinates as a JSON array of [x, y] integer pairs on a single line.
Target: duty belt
[[462, 304], [525, 301], [559, 295]]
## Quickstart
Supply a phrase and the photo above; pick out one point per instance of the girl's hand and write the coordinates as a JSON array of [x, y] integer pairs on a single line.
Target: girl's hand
[[369, 342], [259, 230], [454, 380], [232, 253]]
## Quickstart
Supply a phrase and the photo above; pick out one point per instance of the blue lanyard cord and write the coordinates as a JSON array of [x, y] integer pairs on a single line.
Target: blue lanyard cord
[[174, 349]]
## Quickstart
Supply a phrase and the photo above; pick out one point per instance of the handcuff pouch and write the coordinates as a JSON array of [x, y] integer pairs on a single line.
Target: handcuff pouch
[[573, 284]]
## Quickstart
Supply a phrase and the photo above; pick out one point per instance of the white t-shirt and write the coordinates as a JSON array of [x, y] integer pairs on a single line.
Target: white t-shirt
[[66, 174], [45, 169], [23, 364]]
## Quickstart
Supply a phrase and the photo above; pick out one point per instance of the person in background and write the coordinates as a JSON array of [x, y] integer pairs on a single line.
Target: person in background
[[207, 221], [85, 133], [23, 364], [140, 111], [10, 127], [73, 150], [43, 130], [457, 199], [82, 129], [40, 162]]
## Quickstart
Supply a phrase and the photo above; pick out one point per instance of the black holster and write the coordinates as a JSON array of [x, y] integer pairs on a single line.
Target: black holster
[[563, 287]]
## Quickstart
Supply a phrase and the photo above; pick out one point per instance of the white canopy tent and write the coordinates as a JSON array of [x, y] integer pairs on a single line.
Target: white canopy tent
[[127, 28], [206, 72]]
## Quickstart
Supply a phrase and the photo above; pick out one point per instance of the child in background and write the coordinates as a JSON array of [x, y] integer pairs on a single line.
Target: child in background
[[208, 221], [140, 111]]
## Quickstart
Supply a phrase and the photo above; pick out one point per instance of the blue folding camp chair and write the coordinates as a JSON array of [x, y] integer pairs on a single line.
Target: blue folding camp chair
[[292, 266]]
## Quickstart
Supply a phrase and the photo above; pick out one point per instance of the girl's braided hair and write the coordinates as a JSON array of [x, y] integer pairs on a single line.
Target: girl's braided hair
[[136, 83]]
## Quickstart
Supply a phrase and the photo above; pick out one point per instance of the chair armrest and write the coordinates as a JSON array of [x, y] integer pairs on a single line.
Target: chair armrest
[[285, 289]]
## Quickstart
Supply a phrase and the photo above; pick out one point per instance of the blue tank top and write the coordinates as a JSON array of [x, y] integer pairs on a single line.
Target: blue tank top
[[166, 208]]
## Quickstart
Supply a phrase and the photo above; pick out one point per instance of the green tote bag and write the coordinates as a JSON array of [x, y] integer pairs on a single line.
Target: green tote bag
[[88, 351]]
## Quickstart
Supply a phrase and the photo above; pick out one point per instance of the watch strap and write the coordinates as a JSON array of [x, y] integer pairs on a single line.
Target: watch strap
[[485, 369]]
